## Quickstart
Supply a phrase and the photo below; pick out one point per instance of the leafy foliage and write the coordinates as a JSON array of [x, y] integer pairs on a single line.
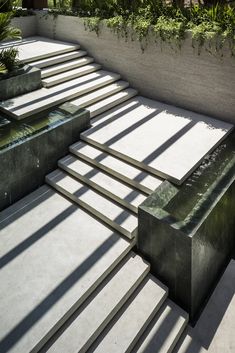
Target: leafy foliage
[[169, 22]]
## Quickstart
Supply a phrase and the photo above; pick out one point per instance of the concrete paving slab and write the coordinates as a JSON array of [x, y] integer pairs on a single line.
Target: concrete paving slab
[[105, 209], [37, 101], [214, 331], [65, 66], [58, 59], [53, 255], [106, 184], [164, 331], [114, 166], [167, 141], [133, 319], [36, 48], [99, 94], [70, 75], [110, 102], [90, 320]]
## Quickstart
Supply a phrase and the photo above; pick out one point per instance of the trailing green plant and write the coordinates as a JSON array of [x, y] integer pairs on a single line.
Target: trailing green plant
[[214, 24]]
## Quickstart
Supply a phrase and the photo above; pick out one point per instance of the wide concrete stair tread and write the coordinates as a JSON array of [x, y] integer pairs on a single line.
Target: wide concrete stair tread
[[110, 102], [70, 75], [90, 320], [167, 141], [53, 256], [115, 215], [164, 331], [58, 59], [106, 184], [114, 166], [99, 94], [37, 101], [127, 327], [65, 66], [36, 48]]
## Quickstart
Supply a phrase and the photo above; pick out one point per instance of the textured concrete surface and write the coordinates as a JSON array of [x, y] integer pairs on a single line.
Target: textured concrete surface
[[27, 25], [106, 184], [122, 334], [214, 331], [114, 166], [42, 99], [165, 140], [58, 59], [35, 48], [53, 255], [89, 322], [164, 330], [110, 212], [202, 83]]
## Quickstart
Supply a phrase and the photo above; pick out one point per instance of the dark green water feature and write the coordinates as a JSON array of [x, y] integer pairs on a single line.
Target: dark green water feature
[[17, 131], [30, 149], [187, 232]]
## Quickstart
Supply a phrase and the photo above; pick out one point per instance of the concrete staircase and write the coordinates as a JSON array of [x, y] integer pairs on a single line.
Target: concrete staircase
[[72, 242]]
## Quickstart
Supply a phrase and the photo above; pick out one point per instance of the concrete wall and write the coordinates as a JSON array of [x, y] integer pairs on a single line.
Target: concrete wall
[[27, 25], [204, 83]]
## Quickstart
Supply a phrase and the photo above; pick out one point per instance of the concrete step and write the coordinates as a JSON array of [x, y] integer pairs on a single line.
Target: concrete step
[[58, 59], [164, 140], [53, 256], [37, 101], [114, 166], [65, 66], [89, 321], [110, 102], [111, 213], [99, 94], [70, 75], [129, 324], [99, 180], [164, 331]]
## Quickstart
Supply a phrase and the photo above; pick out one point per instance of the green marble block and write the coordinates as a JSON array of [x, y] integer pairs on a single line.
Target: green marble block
[[187, 232]]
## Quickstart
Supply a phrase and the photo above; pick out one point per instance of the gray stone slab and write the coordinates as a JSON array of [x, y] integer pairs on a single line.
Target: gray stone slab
[[53, 255], [110, 102], [164, 330], [106, 184], [214, 331], [165, 140], [35, 48], [70, 74], [108, 211], [90, 320], [114, 166], [65, 66], [122, 334], [97, 95], [39, 100], [58, 59]]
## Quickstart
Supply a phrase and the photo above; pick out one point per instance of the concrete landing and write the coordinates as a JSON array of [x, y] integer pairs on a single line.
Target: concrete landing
[[53, 255], [36, 48], [167, 141]]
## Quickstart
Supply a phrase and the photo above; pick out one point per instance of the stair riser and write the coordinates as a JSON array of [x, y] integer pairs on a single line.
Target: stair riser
[[98, 188], [47, 56], [59, 60], [111, 105], [92, 210], [103, 96], [62, 100], [110, 171], [178, 336], [71, 77], [113, 312], [67, 68], [69, 313]]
